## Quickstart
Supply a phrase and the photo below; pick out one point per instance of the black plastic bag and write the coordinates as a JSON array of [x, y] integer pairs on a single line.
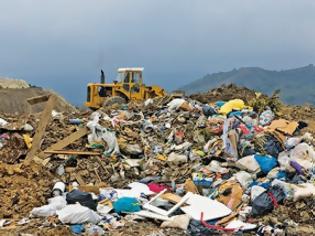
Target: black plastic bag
[[85, 199], [266, 201]]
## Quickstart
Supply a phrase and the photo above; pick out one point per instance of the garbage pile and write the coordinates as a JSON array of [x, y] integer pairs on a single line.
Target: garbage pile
[[169, 166], [226, 93]]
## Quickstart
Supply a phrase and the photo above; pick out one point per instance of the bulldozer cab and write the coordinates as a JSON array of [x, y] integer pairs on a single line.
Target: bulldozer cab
[[131, 80]]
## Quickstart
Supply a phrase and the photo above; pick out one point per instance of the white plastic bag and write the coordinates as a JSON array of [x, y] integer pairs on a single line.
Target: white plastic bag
[[248, 163], [284, 162], [3, 122], [303, 151], [239, 225], [177, 221], [244, 178], [77, 214], [54, 204], [302, 191], [99, 134], [140, 188], [215, 167], [175, 104], [294, 141], [304, 155]]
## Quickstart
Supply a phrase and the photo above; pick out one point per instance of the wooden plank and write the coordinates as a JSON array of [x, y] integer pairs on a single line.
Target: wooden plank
[[98, 176], [68, 140], [38, 99], [40, 131], [72, 152], [65, 142]]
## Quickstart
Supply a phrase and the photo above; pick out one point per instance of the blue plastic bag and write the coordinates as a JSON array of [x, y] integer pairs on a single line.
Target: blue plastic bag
[[77, 229], [266, 163], [126, 204]]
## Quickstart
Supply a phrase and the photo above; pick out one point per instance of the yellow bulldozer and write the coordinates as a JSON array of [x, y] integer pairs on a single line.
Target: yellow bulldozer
[[128, 86]]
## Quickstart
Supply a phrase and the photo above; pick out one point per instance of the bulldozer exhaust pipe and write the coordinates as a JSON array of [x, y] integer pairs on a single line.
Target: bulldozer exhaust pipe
[[102, 77]]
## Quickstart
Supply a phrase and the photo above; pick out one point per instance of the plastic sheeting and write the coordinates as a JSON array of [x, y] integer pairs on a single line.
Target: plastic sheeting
[[77, 214], [99, 134]]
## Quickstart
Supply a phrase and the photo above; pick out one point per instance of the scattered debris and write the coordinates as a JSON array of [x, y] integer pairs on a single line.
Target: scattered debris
[[226, 161]]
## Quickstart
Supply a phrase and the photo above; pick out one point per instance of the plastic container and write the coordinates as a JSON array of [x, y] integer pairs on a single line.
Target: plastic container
[[58, 189], [75, 121]]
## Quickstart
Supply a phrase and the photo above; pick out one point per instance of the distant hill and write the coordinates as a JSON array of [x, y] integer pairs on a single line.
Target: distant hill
[[297, 85]]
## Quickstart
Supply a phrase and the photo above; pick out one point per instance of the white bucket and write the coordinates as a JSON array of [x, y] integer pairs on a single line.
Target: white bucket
[[59, 187]]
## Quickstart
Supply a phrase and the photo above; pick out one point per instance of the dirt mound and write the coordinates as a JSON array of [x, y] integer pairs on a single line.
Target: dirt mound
[[304, 113], [14, 101], [225, 93]]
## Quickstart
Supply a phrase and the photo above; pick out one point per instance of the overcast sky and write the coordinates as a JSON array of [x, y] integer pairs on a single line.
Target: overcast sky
[[62, 44]]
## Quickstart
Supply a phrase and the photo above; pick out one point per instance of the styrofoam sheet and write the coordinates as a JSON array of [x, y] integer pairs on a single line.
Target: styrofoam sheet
[[211, 209]]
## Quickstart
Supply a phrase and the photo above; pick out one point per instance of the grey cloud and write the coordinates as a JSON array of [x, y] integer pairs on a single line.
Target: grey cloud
[[63, 44]]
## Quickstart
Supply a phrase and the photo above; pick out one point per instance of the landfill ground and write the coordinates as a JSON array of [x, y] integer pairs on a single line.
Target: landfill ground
[[165, 144]]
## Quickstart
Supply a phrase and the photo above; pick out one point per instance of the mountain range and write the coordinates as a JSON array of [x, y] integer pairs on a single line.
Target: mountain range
[[297, 86]]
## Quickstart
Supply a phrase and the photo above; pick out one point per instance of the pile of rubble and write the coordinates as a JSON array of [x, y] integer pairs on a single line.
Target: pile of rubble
[[226, 93], [167, 166]]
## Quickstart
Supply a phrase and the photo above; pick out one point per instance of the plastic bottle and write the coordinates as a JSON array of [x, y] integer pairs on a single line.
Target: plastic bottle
[[75, 121]]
